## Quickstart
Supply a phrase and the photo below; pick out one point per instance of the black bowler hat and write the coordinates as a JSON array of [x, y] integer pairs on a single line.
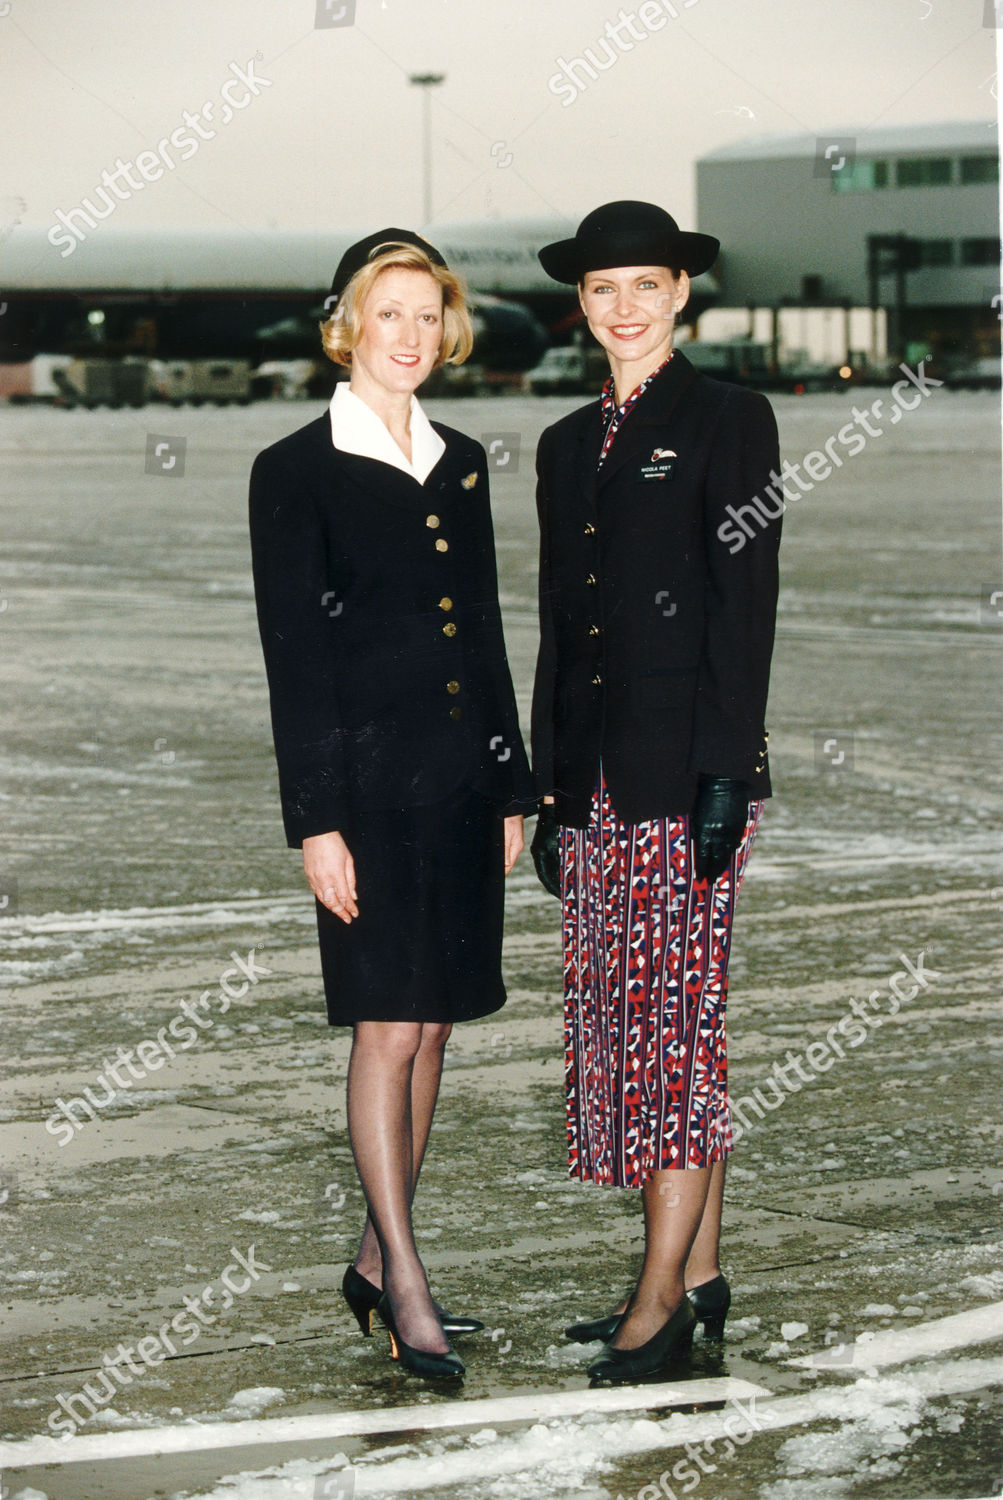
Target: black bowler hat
[[628, 233], [356, 255]]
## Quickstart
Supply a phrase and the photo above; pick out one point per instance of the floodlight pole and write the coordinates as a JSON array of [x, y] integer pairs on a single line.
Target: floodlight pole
[[426, 82]]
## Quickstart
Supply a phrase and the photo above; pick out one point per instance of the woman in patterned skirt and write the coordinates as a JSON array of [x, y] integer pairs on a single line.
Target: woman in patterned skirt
[[657, 612]]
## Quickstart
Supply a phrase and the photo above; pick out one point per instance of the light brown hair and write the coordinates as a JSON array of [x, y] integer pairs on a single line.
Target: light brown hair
[[342, 330]]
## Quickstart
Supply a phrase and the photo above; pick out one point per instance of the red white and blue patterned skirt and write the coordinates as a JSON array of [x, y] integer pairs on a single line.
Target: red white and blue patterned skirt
[[646, 950]]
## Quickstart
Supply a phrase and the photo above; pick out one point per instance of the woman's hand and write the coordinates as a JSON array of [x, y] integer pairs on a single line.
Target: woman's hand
[[330, 871], [514, 841], [718, 824]]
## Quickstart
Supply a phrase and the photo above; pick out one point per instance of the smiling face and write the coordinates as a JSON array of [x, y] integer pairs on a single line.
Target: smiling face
[[401, 332], [632, 312]]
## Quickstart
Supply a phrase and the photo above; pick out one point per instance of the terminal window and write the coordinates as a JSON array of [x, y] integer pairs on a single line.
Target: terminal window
[[980, 252], [923, 171], [980, 169], [860, 177]]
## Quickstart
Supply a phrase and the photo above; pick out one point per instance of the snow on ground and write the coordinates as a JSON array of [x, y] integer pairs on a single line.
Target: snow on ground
[[143, 845]]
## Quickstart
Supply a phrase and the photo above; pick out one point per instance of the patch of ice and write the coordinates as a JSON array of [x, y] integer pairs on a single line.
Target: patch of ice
[[878, 1310], [877, 1423], [790, 1331], [256, 1397], [989, 1285]]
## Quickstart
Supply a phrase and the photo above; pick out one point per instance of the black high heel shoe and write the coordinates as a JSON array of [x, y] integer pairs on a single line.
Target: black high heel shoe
[[418, 1361], [673, 1338], [362, 1297], [711, 1301]]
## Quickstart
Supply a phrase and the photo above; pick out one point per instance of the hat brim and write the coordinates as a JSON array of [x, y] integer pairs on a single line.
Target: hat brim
[[569, 260], [356, 256]]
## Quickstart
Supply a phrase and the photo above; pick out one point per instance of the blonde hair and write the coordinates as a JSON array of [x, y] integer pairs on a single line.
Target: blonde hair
[[343, 329]]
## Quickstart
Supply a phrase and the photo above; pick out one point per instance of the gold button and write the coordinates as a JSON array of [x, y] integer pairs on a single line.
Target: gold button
[[452, 687], [597, 681], [456, 713], [445, 602], [441, 545], [590, 579], [432, 521], [589, 529], [593, 630], [449, 628]]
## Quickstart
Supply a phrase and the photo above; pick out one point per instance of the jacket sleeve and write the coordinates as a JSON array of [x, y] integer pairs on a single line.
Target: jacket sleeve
[[546, 664], [288, 555], [741, 592], [494, 663]]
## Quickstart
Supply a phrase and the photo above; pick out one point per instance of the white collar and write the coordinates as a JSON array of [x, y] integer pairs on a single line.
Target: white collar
[[356, 428]]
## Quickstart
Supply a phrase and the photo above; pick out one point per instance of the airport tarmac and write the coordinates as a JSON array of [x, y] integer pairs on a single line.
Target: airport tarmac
[[143, 858]]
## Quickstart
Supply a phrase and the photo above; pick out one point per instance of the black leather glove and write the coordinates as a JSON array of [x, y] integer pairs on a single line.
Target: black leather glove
[[546, 850], [718, 823]]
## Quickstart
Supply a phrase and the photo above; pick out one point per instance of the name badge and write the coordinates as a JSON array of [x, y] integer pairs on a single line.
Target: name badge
[[661, 466]]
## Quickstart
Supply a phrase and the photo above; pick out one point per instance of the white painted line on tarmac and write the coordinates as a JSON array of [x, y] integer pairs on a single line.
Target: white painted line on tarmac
[[192, 1437], [893, 1346], [887, 1348], [737, 1425]]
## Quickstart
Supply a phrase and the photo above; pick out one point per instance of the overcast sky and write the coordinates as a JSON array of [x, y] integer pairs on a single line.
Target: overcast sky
[[333, 139]]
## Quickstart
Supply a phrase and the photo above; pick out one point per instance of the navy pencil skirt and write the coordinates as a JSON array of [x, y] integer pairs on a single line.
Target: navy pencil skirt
[[426, 945]]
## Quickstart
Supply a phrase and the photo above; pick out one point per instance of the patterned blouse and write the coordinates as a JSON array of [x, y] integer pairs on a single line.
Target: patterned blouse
[[614, 415]]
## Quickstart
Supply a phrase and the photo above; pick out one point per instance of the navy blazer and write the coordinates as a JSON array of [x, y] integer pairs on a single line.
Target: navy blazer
[[377, 602], [656, 631]]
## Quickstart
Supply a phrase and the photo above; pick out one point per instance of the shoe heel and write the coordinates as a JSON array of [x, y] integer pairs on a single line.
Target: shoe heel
[[713, 1325], [364, 1318], [361, 1297]]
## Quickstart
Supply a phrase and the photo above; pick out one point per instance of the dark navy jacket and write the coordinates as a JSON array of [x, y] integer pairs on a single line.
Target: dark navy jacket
[[656, 633], [377, 603]]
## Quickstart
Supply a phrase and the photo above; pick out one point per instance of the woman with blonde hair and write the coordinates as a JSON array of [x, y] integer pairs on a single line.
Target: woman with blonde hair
[[402, 771]]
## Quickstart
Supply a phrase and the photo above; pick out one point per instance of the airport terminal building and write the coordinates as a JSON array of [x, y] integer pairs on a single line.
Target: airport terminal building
[[905, 218]]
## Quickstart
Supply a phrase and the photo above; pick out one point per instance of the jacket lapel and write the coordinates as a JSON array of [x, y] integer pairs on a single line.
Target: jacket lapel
[[652, 409], [587, 454], [391, 484]]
